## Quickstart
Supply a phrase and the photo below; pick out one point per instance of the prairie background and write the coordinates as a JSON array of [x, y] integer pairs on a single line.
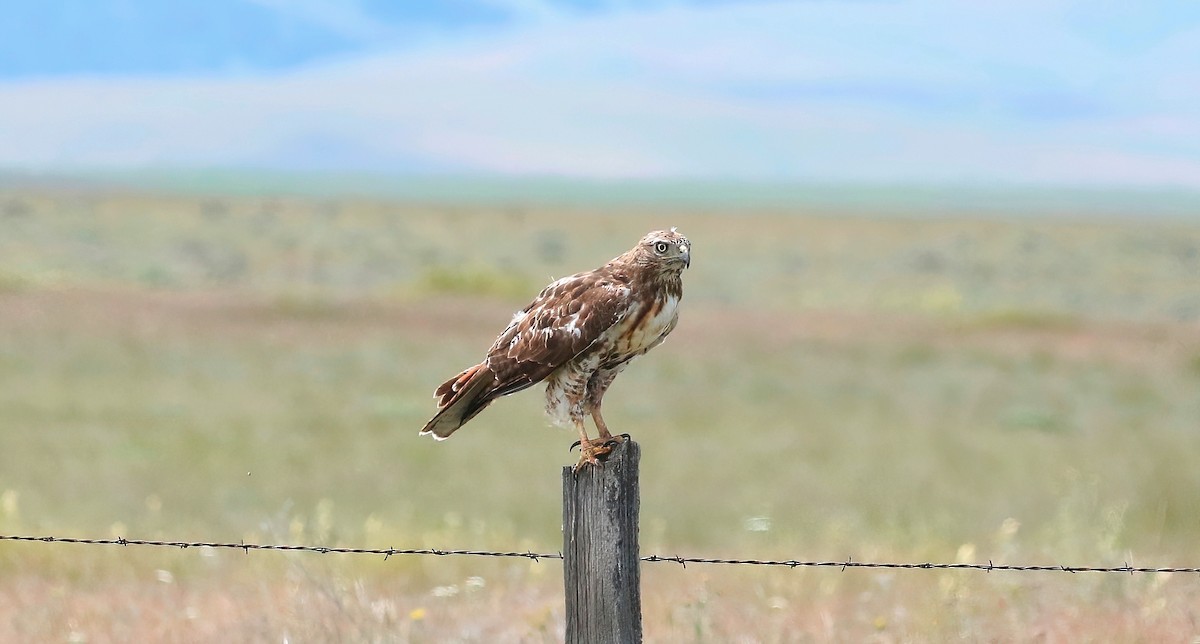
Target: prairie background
[[958, 387]]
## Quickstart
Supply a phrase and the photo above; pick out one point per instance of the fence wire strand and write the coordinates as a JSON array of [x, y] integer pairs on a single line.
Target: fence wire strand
[[387, 553]]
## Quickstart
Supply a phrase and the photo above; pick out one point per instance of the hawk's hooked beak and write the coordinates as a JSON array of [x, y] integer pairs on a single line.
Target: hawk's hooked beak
[[687, 255]]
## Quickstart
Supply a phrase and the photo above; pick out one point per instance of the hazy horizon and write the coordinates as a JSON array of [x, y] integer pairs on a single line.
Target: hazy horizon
[[725, 195]]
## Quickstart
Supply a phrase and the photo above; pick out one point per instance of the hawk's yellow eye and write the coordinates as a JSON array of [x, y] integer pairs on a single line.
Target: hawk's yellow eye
[[660, 247]]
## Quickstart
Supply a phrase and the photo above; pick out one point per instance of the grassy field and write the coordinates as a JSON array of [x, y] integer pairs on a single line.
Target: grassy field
[[920, 389]]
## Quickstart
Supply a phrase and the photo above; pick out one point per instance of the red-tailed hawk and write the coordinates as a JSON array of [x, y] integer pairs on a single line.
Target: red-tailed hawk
[[577, 335]]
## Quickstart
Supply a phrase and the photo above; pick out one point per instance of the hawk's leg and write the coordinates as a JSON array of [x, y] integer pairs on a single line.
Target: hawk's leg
[[606, 437], [591, 452]]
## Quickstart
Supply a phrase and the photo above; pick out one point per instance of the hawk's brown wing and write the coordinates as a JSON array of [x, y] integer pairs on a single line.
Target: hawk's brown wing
[[565, 319]]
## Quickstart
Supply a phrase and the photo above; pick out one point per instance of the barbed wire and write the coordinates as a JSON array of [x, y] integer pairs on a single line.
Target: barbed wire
[[850, 563], [536, 556], [247, 547]]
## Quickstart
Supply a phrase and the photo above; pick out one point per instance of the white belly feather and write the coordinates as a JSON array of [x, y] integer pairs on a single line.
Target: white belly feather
[[650, 332]]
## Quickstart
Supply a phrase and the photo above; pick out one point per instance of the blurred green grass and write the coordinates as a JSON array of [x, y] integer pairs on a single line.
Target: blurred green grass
[[258, 369], [1134, 269]]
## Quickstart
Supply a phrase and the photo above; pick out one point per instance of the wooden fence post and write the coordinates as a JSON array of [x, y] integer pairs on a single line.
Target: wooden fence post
[[600, 550]]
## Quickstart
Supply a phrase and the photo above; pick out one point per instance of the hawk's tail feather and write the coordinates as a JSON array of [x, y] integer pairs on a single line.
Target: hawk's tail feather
[[460, 399]]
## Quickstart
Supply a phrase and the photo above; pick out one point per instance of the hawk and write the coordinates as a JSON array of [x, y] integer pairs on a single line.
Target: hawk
[[576, 335]]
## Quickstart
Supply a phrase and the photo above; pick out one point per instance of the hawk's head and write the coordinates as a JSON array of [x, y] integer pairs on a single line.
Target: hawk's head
[[665, 248]]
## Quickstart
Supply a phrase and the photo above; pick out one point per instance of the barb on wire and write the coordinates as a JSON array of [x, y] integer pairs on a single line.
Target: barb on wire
[[676, 559]]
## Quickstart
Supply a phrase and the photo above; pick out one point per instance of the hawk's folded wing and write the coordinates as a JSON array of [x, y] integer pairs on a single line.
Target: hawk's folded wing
[[565, 319]]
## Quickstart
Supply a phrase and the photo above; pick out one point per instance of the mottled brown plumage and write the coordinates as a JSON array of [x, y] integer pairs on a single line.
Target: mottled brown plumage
[[576, 335]]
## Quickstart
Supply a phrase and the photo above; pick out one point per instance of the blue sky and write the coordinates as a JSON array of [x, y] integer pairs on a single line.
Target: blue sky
[[1073, 92]]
